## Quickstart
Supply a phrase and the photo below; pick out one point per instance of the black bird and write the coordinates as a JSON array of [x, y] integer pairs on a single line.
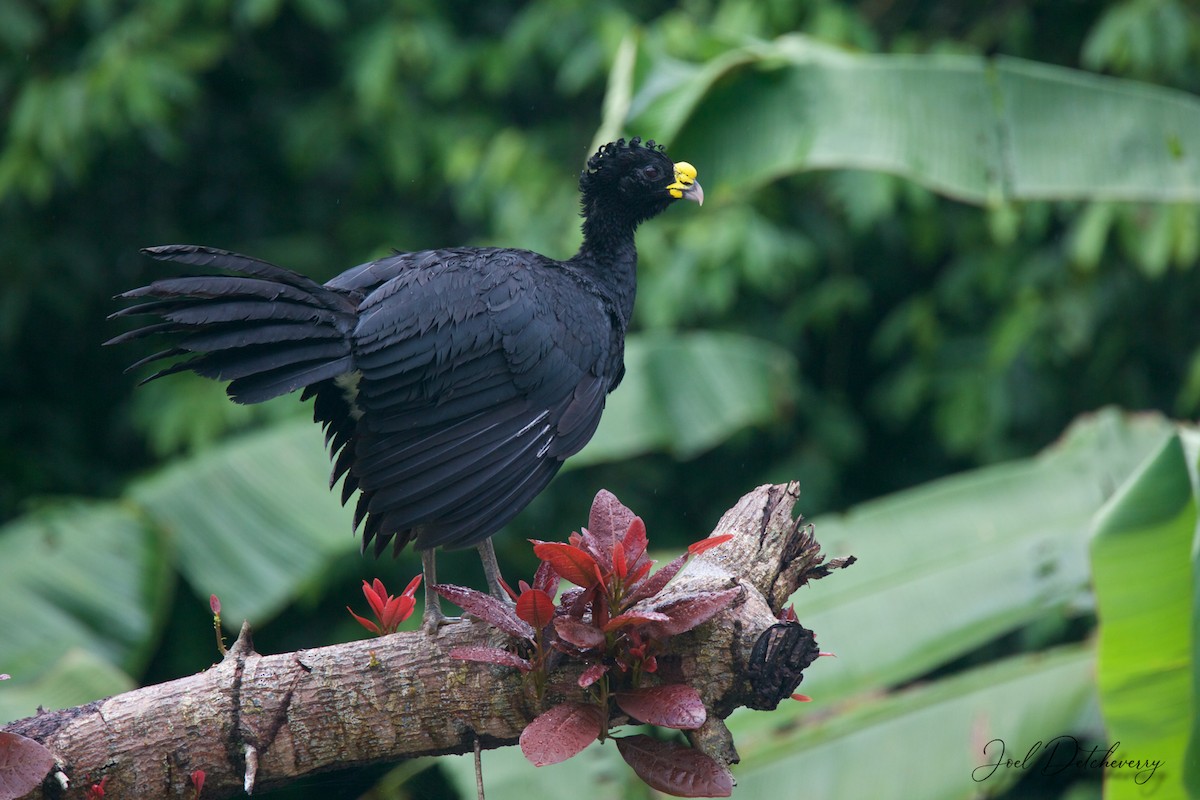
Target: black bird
[[452, 384]]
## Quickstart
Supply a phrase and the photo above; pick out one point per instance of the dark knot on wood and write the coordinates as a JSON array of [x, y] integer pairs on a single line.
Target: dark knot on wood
[[777, 664]]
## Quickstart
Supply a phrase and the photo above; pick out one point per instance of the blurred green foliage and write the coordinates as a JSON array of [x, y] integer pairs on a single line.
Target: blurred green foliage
[[928, 336]]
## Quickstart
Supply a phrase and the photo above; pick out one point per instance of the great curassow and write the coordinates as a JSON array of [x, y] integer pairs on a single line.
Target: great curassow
[[452, 384]]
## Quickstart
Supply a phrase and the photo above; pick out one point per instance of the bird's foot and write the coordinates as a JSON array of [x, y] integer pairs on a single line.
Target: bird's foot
[[434, 619]]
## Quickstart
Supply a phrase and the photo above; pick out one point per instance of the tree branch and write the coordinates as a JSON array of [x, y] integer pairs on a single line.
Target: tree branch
[[254, 721]]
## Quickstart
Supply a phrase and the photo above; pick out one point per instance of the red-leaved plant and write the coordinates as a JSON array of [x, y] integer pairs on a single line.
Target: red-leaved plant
[[389, 610], [616, 623]]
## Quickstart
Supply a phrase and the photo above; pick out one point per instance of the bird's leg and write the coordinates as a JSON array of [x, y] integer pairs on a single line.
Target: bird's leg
[[487, 554], [433, 618]]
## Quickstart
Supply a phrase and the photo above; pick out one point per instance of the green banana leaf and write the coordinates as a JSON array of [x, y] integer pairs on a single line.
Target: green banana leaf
[[932, 741], [252, 519], [982, 130], [77, 677], [953, 564], [81, 585], [1146, 562], [686, 393]]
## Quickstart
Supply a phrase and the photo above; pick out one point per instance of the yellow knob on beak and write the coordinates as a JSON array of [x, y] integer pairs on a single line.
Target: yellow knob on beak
[[686, 187]]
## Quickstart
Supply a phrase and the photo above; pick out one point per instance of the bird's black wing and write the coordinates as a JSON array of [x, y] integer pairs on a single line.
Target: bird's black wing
[[480, 372]]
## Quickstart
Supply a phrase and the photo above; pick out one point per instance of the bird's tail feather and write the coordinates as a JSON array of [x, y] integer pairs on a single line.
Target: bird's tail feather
[[264, 328]]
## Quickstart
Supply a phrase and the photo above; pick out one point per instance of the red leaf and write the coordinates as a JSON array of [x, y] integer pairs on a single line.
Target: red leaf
[[709, 543], [396, 611], [694, 610], [487, 608], [535, 607], [592, 674], [411, 589], [674, 705], [675, 769], [600, 611], [640, 572], [366, 623], [546, 579], [656, 582], [600, 579], [561, 732], [608, 520], [592, 546], [574, 601], [508, 589], [579, 633], [634, 618], [23, 764], [570, 562], [198, 781], [376, 596], [618, 558], [490, 655], [635, 542]]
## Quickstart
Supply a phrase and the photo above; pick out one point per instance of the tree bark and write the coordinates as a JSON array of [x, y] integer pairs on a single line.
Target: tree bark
[[259, 721]]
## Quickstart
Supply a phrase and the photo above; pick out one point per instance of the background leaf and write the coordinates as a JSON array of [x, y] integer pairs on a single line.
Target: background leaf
[[252, 520], [950, 566], [1144, 557], [1021, 701], [685, 393], [76, 678], [980, 130], [89, 577]]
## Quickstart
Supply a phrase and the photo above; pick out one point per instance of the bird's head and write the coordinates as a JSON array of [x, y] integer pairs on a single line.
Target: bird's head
[[635, 181]]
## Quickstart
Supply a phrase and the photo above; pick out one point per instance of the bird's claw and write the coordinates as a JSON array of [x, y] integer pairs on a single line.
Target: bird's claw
[[434, 620]]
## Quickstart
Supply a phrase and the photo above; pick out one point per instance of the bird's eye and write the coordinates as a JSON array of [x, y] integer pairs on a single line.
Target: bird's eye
[[651, 173]]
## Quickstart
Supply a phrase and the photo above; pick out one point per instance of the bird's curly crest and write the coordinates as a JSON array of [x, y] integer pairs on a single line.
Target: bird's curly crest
[[620, 145]]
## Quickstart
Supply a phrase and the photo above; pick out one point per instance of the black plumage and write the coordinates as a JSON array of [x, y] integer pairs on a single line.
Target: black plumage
[[452, 384]]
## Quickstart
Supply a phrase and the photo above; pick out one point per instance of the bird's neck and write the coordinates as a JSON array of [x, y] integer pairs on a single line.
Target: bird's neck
[[608, 257]]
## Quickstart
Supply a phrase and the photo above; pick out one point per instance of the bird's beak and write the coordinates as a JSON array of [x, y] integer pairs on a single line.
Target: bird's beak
[[686, 186]]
